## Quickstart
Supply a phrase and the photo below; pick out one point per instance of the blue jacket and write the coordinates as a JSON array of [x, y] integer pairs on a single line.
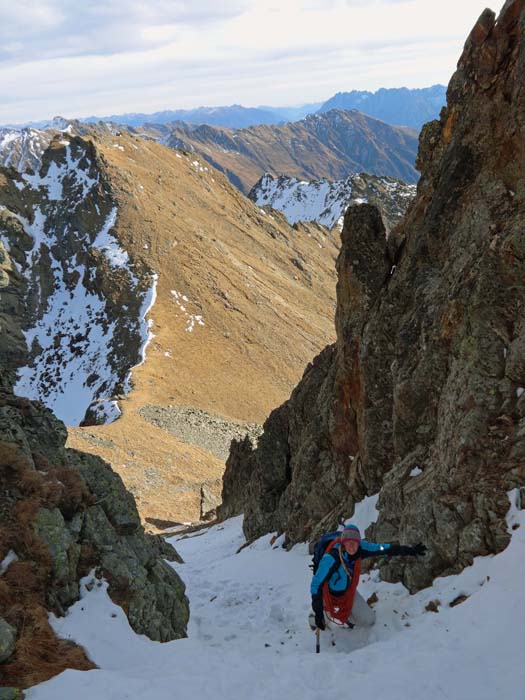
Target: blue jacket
[[330, 568]]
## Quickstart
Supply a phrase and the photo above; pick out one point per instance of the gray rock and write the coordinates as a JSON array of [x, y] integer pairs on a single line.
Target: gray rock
[[108, 487], [97, 528], [164, 549], [151, 591], [7, 640], [11, 694], [51, 528], [210, 498]]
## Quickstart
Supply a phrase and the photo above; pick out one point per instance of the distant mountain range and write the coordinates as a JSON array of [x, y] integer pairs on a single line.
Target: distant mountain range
[[331, 145], [399, 106], [233, 116], [395, 105]]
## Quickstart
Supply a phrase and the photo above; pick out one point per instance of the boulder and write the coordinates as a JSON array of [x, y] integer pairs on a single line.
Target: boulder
[[11, 694], [7, 640]]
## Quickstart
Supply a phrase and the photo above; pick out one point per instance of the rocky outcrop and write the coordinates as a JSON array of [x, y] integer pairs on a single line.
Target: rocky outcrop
[[12, 312], [422, 398], [22, 149], [80, 300], [64, 514], [7, 640], [326, 202]]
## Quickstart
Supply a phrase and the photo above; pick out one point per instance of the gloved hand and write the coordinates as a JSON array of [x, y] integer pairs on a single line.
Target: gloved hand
[[406, 551], [317, 607], [420, 549]]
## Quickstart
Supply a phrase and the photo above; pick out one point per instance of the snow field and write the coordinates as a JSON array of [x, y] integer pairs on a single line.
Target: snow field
[[248, 633]]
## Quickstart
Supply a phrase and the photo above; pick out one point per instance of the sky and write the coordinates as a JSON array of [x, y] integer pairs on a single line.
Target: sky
[[106, 57]]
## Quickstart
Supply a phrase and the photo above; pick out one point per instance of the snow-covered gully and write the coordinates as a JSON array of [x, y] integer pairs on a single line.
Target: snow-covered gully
[[248, 635]]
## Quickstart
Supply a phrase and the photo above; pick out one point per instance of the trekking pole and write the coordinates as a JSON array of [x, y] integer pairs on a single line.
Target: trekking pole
[[317, 640]]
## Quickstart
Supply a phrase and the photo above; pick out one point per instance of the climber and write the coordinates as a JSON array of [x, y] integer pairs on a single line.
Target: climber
[[337, 566]]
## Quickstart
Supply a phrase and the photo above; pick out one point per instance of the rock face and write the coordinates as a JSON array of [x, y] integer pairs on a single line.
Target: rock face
[[422, 397], [7, 640], [83, 299], [326, 202], [22, 150], [64, 514]]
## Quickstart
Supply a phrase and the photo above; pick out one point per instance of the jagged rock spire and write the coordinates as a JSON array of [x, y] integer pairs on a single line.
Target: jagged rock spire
[[423, 397]]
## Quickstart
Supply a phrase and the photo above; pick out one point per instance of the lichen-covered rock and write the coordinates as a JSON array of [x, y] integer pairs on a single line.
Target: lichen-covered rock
[[428, 368], [7, 640], [149, 590], [65, 513], [109, 490], [11, 694], [50, 526], [164, 549], [158, 605]]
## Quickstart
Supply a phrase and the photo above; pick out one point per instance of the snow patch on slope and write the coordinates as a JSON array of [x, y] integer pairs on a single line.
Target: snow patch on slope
[[23, 149], [74, 340], [73, 336], [146, 333]]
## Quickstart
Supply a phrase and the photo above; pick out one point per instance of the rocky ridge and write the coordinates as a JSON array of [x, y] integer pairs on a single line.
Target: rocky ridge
[[57, 226], [23, 149], [330, 145], [326, 202], [422, 398]]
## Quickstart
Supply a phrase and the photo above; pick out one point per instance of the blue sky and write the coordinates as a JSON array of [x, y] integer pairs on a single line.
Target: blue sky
[[112, 56]]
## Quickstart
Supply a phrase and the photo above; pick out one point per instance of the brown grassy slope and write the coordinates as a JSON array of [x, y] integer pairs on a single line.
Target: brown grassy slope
[[264, 317], [330, 145]]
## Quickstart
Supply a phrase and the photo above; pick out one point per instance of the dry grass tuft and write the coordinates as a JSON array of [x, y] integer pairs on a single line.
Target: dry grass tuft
[[24, 512], [25, 586], [23, 576], [39, 655], [74, 494], [31, 483], [12, 458]]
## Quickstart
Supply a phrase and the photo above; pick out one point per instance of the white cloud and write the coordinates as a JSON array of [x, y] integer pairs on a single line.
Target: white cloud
[[56, 28], [109, 56]]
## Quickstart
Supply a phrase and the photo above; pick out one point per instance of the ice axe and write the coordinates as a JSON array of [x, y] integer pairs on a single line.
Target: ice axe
[[317, 640]]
